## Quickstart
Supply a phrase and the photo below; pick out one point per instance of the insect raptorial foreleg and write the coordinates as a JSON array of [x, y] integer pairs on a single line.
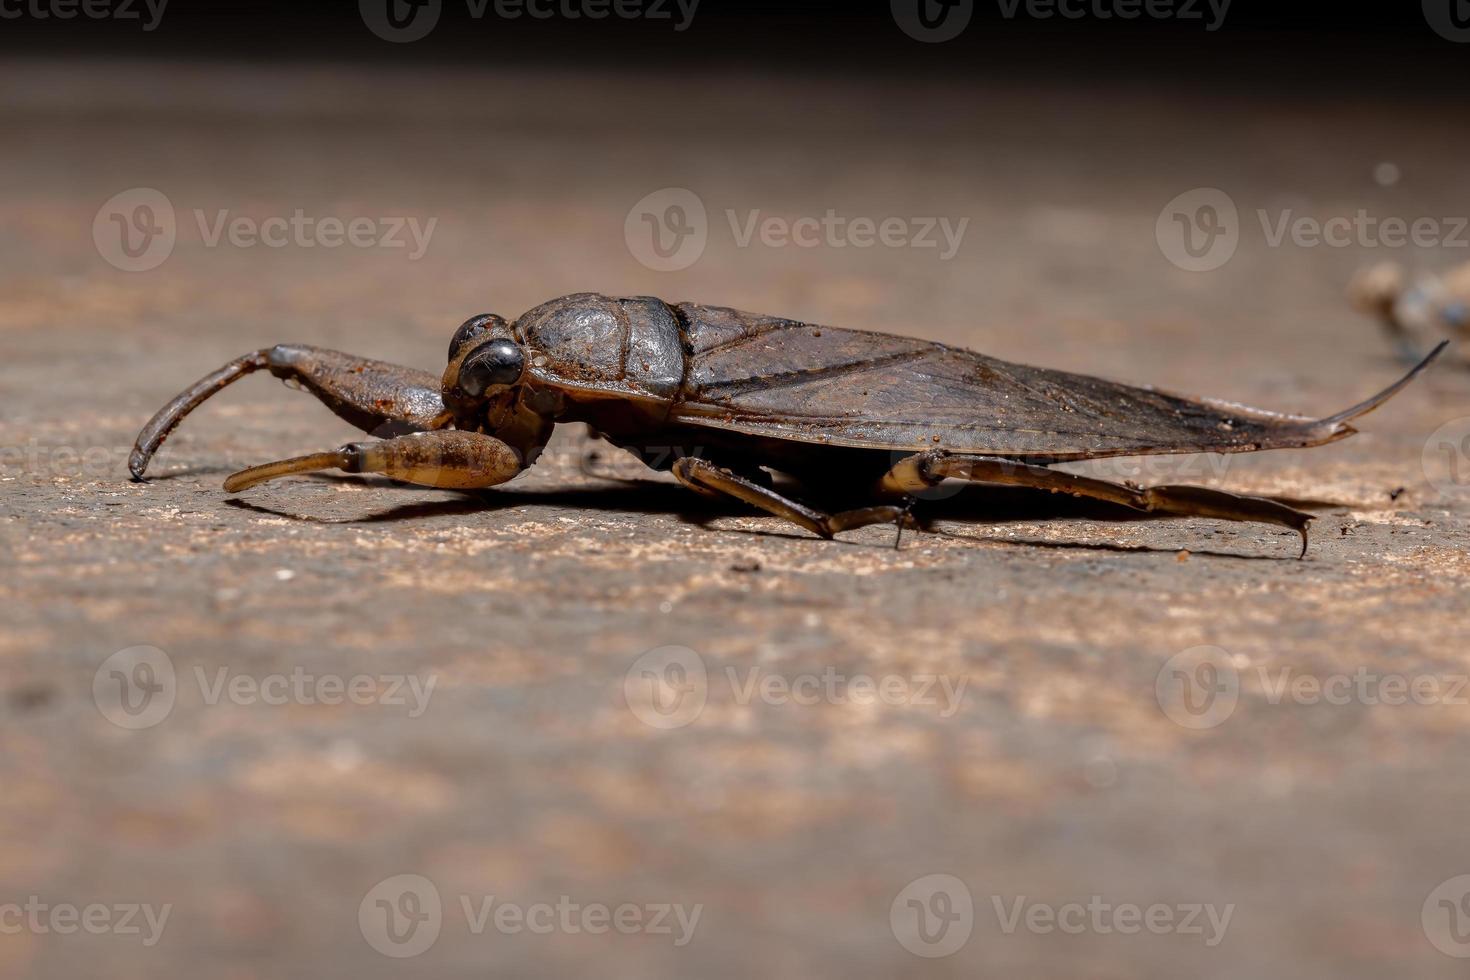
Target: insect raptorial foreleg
[[706, 478], [924, 470], [446, 458], [375, 396]]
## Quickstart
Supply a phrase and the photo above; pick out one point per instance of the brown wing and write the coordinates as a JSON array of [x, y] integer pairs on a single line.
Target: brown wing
[[777, 378]]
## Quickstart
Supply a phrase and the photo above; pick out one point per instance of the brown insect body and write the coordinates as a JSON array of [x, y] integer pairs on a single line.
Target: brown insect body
[[772, 378], [716, 394]]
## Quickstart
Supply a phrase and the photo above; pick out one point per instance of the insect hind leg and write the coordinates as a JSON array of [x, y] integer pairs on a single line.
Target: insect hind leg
[[375, 396], [925, 470]]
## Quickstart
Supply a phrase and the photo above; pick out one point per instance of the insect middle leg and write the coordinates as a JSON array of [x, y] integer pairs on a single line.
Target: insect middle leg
[[706, 478], [375, 396], [924, 470]]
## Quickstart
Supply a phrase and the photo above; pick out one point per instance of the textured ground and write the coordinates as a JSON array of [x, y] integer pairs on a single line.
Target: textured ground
[[1057, 776]]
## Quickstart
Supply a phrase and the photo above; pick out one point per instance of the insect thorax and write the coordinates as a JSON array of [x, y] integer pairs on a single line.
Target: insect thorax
[[589, 340]]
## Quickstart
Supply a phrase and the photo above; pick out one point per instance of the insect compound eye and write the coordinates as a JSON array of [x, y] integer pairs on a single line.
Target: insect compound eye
[[470, 329], [498, 362]]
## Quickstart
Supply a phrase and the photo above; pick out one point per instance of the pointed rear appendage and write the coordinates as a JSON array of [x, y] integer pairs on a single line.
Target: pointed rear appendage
[[1335, 427], [1252, 429]]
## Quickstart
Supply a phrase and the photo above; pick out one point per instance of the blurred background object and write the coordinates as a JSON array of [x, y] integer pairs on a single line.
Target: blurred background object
[[1418, 315]]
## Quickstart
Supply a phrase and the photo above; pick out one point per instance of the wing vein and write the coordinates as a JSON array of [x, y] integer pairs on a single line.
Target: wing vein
[[781, 379]]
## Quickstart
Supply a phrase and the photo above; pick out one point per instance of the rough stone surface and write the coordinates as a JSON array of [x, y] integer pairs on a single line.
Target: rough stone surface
[[793, 826]]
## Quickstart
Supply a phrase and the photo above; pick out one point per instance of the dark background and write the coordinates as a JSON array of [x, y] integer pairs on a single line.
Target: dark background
[[1384, 46]]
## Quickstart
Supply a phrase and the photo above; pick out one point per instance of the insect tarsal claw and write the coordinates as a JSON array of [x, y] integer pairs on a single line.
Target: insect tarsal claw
[[904, 517]]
